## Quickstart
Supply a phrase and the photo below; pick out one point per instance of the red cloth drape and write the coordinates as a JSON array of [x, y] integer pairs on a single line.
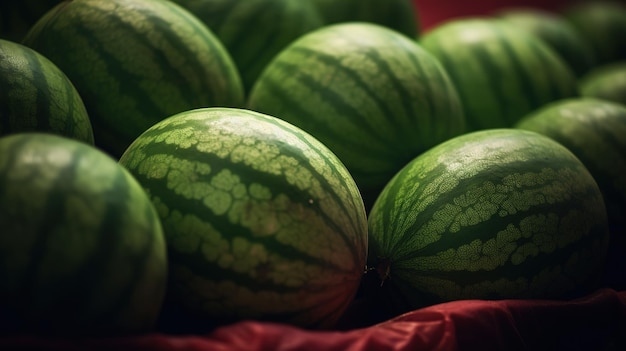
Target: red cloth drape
[[595, 322]]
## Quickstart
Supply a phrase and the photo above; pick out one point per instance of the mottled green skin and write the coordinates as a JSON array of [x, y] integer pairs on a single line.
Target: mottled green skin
[[262, 221], [82, 250], [501, 213], [595, 131], [607, 82], [36, 96], [501, 72], [603, 24], [557, 32], [370, 94], [254, 31], [135, 62], [399, 15]]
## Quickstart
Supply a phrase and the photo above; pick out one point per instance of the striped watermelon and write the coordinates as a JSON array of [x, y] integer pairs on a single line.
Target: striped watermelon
[[603, 24], [135, 62], [81, 249], [499, 213], [371, 94], [262, 221], [501, 73], [557, 32], [399, 15], [36, 96], [594, 130], [254, 31], [607, 81]]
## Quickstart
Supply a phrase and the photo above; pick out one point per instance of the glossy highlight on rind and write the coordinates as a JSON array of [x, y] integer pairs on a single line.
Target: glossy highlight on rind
[[370, 94], [262, 220], [135, 62], [502, 213], [81, 249]]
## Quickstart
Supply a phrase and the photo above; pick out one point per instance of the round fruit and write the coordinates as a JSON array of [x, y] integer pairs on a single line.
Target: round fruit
[[499, 213], [36, 96], [262, 221], [399, 15], [135, 62], [254, 31], [603, 25], [555, 31], [607, 82], [81, 249], [370, 94], [594, 130], [501, 72]]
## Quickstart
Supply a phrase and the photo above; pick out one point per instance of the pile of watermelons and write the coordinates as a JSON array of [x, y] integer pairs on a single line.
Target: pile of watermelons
[[172, 166]]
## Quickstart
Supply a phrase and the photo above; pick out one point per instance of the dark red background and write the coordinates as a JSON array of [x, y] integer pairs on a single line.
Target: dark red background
[[432, 12]]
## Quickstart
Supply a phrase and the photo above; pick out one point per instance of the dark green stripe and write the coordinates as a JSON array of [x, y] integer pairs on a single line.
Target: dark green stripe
[[524, 80], [248, 176], [526, 270], [349, 206]]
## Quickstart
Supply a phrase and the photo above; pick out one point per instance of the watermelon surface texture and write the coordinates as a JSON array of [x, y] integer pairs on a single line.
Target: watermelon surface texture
[[371, 94], [81, 248], [562, 36], [607, 82], [603, 24], [254, 31], [35, 95], [500, 213], [262, 221], [500, 71], [594, 130], [135, 62]]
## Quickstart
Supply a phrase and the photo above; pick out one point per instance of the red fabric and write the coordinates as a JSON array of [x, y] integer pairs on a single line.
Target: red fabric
[[590, 323], [433, 12]]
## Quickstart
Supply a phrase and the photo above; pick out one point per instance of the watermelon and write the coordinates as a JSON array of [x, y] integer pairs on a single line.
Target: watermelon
[[254, 31], [603, 24], [35, 95], [369, 93], [135, 62], [491, 214], [262, 221], [82, 250], [501, 72], [607, 82], [555, 31], [399, 15], [594, 130]]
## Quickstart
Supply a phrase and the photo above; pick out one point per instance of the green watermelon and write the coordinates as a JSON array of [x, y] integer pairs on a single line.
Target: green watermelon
[[399, 15], [82, 250], [36, 96], [607, 82], [501, 72], [595, 131], [498, 213], [254, 31], [555, 31], [603, 24], [262, 221], [135, 62], [371, 94]]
